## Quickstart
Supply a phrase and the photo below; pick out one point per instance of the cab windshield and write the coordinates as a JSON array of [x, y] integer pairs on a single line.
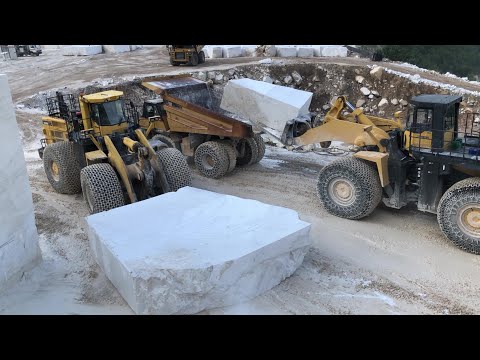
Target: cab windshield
[[109, 113]]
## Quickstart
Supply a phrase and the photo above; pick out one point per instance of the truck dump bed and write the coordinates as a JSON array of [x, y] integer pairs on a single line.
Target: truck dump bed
[[192, 108]]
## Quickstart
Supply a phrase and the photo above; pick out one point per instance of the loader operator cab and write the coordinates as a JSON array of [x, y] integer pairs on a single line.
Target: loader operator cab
[[106, 113], [153, 108], [432, 123]]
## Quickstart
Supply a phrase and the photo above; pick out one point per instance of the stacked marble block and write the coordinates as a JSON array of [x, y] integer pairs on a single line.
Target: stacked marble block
[[19, 249]]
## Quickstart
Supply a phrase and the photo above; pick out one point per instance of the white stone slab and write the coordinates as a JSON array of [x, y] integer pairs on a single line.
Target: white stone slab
[[335, 51], [232, 51], [81, 50], [197, 250], [317, 50], [304, 51], [267, 104], [249, 50], [270, 50], [330, 50], [213, 52], [19, 250], [114, 49], [286, 51]]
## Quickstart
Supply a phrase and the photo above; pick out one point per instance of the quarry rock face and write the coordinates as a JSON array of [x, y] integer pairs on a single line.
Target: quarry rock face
[[207, 250], [267, 104], [377, 72], [19, 250]]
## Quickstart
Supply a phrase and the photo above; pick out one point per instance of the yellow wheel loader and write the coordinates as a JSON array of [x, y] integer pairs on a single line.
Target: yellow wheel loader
[[95, 145], [433, 161]]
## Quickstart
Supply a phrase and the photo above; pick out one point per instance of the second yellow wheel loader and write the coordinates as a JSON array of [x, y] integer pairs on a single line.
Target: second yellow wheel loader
[[433, 161]]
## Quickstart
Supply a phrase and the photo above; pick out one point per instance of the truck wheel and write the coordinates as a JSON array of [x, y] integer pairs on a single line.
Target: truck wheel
[[349, 188], [62, 168], [325, 144], [101, 188], [251, 152], [211, 159], [458, 214], [260, 147], [173, 63], [194, 59], [232, 154], [165, 139], [176, 169], [201, 57]]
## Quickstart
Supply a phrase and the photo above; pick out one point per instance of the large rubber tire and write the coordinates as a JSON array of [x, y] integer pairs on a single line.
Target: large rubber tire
[[349, 188], [251, 152], [211, 159], [176, 169], [165, 139], [325, 144], [260, 147], [194, 60], [458, 214], [232, 154], [201, 57], [174, 63], [62, 167], [101, 188]]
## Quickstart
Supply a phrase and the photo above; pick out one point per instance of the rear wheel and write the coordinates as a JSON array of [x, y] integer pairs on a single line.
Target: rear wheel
[[250, 151], [164, 139], [232, 154], [211, 159], [201, 57], [349, 188], [176, 169], [260, 147], [101, 188], [458, 214], [62, 167], [325, 144]]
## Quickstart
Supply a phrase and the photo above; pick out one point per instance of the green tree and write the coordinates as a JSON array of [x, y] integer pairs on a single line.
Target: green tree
[[461, 60]]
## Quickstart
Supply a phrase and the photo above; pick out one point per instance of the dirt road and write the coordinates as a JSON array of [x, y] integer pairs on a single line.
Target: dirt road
[[393, 262]]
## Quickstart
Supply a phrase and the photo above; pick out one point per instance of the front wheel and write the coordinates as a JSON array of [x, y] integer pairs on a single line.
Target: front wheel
[[349, 188], [101, 188], [174, 164], [248, 150], [194, 60], [458, 214], [201, 57]]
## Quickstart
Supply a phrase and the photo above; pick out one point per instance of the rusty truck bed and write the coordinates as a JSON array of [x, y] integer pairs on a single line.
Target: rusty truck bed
[[192, 108]]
